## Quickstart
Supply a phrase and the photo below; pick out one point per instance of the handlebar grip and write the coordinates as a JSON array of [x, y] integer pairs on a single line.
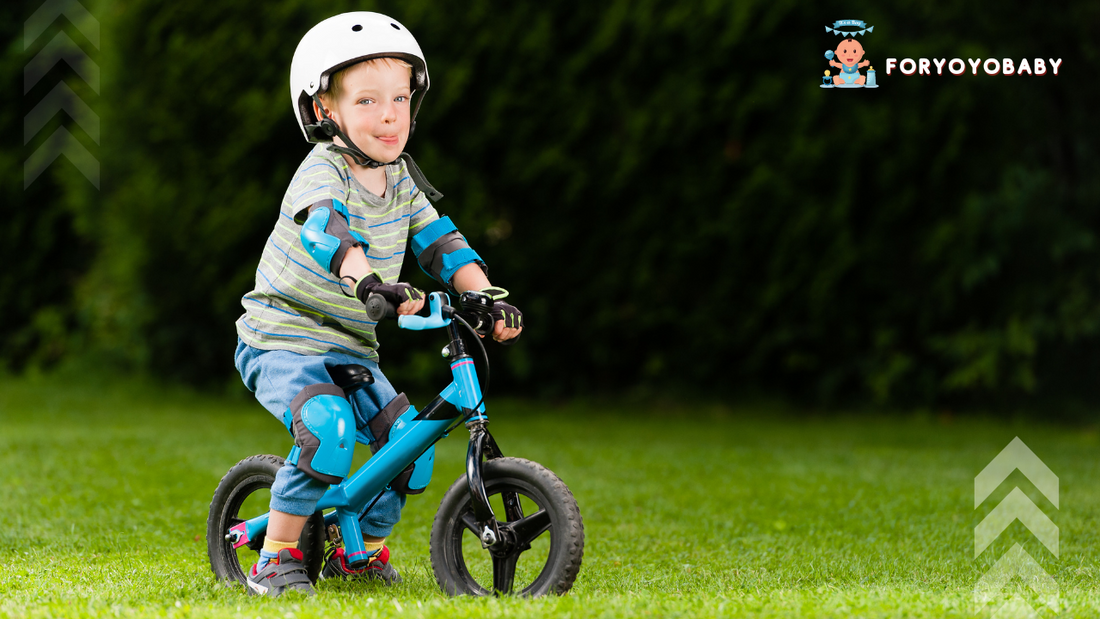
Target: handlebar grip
[[378, 307]]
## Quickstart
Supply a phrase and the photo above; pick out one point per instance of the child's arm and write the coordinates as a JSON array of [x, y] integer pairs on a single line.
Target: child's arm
[[444, 255], [356, 267], [329, 240], [470, 277]]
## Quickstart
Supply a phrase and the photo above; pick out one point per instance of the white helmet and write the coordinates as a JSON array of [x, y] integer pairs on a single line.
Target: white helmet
[[341, 41]]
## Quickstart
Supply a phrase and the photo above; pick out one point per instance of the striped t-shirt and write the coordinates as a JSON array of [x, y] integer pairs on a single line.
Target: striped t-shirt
[[297, 305]]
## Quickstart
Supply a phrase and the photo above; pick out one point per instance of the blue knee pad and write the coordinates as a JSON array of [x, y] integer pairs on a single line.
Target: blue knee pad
[[323, 425]]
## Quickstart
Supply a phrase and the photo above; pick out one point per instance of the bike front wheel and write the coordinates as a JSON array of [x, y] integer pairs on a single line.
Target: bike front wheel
[[542, 536], [245, 492]]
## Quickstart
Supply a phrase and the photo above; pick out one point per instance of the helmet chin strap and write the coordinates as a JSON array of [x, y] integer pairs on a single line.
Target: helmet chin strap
[[328, 128]]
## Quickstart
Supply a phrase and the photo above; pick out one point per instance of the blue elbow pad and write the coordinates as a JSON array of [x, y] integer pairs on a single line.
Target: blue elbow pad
[[441, 251], [328, 238]]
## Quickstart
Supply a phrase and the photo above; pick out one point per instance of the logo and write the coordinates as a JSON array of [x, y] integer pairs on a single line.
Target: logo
[[848, 57]]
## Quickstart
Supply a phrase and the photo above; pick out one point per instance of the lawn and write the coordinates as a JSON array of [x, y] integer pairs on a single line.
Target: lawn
[[689, 509]]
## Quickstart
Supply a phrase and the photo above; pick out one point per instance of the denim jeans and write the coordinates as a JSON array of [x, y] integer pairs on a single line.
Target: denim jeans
[[276, 376]]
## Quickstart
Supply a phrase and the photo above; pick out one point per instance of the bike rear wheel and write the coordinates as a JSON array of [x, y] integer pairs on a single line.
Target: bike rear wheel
[[245, 492], [542, 534]]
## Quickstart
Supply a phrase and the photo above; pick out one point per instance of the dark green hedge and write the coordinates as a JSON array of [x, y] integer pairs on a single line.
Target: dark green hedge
[[663, 187]]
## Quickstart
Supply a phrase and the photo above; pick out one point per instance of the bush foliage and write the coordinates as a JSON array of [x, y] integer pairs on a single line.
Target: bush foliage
[[663, 188]]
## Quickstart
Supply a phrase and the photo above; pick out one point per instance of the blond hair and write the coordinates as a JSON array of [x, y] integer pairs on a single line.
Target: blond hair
[[335, 81]]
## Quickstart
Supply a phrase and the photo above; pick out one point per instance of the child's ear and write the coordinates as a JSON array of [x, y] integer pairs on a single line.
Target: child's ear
[[317, 112]]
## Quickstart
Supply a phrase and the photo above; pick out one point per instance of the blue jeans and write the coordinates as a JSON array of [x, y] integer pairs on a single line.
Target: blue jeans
[[276, 376]]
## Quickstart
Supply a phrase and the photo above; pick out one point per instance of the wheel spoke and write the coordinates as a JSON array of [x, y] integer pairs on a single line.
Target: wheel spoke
[[504, 572], [470, 523], [528, 528], [512, 509]]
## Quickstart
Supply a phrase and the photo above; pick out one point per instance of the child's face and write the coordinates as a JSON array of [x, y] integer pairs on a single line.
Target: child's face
[[849, 52], [374, 108]]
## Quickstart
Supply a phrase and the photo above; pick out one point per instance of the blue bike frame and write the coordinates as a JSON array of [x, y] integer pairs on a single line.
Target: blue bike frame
[[411, 435]]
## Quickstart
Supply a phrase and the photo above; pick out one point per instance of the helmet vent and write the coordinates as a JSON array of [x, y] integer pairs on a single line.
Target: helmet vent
[[356, 27], [395, 26]]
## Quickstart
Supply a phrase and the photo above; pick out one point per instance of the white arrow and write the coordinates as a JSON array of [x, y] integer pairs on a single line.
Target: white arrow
[[61, 47], [1016, 506], [48, 13], [1016, 608], [1015, 456], [61, 98], [61, 143], [1016, 562]]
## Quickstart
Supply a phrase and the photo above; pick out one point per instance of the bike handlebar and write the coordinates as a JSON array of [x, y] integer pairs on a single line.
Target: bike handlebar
[[437, 312]]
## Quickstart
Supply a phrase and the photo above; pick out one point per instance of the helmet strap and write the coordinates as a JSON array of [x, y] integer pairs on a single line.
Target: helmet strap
[[418, 179]]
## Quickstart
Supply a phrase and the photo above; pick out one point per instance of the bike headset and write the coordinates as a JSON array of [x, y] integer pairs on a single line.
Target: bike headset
[[339, 42]]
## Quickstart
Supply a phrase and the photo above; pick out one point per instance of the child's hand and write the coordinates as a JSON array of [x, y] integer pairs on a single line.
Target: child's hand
[[508, 322], [410, 307], [405, 298], [835, 63]]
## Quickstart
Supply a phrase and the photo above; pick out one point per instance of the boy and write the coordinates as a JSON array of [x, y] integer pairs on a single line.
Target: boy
[[341, 235], [849, 52]]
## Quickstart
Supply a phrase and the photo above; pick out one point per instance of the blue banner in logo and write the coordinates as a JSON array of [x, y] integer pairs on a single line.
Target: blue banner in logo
[[849, 23]]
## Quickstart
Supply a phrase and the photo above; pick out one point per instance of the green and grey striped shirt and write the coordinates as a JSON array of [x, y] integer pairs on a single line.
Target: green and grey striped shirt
[[297, 305]]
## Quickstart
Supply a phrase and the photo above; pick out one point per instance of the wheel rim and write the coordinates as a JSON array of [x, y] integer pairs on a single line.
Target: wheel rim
[[244, 493], [522, 566]]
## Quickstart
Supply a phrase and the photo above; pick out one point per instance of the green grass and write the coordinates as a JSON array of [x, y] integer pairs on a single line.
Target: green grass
[[688, 510]]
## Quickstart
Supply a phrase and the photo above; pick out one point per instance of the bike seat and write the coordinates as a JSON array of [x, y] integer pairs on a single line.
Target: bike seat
[[350, 377]]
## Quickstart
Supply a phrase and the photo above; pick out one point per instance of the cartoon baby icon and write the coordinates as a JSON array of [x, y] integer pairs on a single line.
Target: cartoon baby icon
[[849, 52]]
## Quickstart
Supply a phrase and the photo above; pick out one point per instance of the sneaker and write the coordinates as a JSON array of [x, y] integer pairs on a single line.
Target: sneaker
[[285, 572], [379, 568]]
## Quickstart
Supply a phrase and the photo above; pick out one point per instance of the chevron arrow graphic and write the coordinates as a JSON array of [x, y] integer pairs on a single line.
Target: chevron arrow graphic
[[1016, 608], [61, 47], [1017, 563], [1016, 506], [61, 143], [61, 98], [1015, 456], [48, 13]]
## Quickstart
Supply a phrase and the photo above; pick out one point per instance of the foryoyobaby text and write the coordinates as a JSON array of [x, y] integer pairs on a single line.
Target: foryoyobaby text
[[956, 66]]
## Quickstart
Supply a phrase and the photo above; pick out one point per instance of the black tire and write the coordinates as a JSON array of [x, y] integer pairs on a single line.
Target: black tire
[[244, 493], [544, 566]]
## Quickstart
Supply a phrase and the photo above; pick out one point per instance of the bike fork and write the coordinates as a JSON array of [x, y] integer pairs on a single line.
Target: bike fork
[[482, 444]]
